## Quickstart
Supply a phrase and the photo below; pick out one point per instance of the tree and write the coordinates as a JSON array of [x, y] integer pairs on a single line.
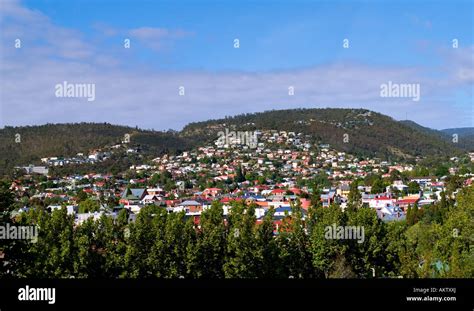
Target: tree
[[6, 202], [294, 243], [208, 258], [455, 246], [367, 253], [394, 245], [178, 235], [325, 250], [413, 187], [453, 183], [442, 170], [321, 180], [113, 241], [377, 186], [53, 255], [316, 196], [395, 175], [12, 249], [89, 205], [354, 197], [268, 263], [409, 215], [240, 177], [89, 263], [141, 240], [241, 244], [81, 196]]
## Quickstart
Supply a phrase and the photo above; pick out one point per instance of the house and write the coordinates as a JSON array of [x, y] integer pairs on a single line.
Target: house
[[379, 202], [423, 181], [134, 208], [343, 190], [391, 212], [72, 209], [155, 191], [328, 198], [305, 203], [31, 169], [278, 192], [404, 202], [190, 206], [277, 204], [82, 217], [96, 156], [132, 196], [398, 184], [282, 211], [151, 199], [212, 192]]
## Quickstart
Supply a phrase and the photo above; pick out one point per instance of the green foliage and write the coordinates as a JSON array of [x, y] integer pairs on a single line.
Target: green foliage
[[89, 205], [294, 246], [413, 187], [326, 252], [434, 243], [241, 244], [208, 255], [370, 254], [354, 197], [377, 186], [66, 140], [369, 131]]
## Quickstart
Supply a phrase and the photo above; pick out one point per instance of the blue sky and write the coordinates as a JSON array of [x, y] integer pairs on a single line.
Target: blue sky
[[190, 43], [277, 34]]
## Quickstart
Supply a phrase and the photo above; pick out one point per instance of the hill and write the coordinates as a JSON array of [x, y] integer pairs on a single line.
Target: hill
[[24, 145], [465, 136], [367, 133]]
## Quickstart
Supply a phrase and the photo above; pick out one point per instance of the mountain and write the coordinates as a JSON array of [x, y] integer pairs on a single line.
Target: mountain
[[423, 129], [28, 144], [367, 133], [465, 136]]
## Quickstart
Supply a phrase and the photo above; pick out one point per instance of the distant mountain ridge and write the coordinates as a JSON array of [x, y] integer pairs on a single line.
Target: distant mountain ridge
[[27, 144], [465, 136], [369, 133], [358, 131]]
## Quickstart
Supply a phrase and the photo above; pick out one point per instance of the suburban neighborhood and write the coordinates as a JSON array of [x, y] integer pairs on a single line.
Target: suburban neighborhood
[[282, 170]]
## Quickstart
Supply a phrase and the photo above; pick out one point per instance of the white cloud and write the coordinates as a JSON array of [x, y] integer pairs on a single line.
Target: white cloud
[[156, 38], [149, 98]]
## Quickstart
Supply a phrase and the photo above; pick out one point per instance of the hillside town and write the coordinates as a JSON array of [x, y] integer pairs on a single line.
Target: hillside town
[[271, 169]]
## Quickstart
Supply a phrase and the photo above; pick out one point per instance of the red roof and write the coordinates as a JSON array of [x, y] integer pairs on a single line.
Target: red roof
[[383, 198], [262, 203], [226, 200], [276, 191], [295, 190], [305, 203], [407, 201]]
